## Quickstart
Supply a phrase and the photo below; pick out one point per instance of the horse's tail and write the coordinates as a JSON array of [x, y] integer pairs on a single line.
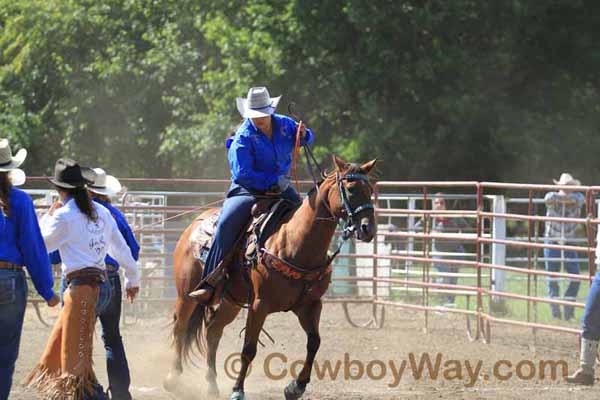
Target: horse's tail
[[193, 336]]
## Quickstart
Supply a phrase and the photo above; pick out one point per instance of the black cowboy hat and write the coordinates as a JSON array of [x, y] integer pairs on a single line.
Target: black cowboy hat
[[69, 175]]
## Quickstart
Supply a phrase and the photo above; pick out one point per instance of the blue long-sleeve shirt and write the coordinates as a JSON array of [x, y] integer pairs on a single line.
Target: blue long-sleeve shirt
[[125, 230], [256, 162], [21, 242]]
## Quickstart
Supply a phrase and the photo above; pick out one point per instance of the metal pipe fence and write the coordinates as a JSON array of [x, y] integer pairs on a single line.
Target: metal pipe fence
[[499, 263]]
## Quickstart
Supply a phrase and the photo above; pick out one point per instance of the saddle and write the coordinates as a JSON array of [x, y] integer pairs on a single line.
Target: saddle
[[267, 215]]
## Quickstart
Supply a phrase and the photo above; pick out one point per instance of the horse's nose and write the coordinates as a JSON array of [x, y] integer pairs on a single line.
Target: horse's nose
[[366, 229]]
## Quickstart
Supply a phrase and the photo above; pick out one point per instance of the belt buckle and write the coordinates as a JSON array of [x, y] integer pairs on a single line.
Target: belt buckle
[[111, 268]]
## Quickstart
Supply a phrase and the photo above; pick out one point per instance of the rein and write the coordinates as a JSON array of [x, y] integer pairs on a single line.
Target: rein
[[287, 267], [295, 156], [293, 271], [207, 205]]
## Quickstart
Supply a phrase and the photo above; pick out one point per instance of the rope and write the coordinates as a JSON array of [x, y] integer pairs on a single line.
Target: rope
[[179, 215], [295, 156]]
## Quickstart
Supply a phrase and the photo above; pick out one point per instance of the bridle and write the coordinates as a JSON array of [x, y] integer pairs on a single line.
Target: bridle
[[351, 214]]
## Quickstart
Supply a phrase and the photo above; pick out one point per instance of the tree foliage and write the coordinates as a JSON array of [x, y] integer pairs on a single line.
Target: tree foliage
[[459, 89]]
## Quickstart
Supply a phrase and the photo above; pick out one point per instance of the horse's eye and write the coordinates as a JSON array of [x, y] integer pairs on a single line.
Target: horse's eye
[[352, 188]]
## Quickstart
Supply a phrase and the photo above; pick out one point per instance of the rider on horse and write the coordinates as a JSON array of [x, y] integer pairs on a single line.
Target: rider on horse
[[260, 157]]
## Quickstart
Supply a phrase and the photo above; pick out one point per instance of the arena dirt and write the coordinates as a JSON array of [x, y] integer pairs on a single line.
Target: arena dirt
[[149, 352]]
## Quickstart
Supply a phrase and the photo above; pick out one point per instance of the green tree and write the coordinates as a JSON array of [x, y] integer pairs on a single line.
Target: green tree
[[437, 89]]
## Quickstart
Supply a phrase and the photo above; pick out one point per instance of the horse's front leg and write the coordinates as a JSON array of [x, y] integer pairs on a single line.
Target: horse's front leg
[[254, 323], [309, 317]]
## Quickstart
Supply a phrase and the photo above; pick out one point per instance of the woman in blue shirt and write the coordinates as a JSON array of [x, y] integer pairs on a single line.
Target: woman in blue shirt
[[21, 244], [260, 157]]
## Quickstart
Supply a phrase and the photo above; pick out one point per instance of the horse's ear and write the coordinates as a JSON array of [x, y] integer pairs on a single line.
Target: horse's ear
[[340, 165], [367, 167]]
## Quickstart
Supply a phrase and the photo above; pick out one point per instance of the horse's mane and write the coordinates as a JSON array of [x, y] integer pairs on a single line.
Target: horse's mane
[[331, 176]]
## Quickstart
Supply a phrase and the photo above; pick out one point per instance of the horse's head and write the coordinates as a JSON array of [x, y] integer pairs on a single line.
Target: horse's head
[[350, 197]]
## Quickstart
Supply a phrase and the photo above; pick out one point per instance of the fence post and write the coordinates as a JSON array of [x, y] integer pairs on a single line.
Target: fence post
[[411, 240], [498, 250], [426, 265], [478, 258], [375, 251]]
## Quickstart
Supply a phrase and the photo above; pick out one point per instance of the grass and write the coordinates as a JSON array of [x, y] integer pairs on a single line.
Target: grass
[[515, 309]]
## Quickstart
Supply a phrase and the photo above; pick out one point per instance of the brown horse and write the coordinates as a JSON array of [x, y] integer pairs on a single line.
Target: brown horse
[[303, 240]]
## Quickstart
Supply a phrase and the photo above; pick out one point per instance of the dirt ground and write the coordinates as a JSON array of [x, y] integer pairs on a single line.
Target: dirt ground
[[377, 354]]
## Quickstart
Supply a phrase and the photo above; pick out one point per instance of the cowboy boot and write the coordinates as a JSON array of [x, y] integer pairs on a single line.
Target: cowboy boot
[[203, 295], [585, 374], [206, 288]]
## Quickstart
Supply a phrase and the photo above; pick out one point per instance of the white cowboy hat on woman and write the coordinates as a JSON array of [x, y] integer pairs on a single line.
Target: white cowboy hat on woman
[[567, 179], [257, 104], [104, 184], [11, 164]]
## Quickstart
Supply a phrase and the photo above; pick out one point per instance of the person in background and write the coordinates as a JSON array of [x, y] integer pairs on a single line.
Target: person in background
[[391, 240], [564, 204], [590, 327], [21, 244], [119, 378], [445, 224], [84, 232]]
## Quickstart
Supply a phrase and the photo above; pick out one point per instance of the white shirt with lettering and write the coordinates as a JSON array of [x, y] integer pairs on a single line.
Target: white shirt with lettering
[[84, 243]]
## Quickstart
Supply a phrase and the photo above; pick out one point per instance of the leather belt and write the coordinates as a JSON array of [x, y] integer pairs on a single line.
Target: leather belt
[[87, 276], [7, 265], [111, 268]]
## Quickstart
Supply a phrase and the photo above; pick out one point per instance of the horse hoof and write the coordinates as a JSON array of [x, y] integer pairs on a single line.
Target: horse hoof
[[239, 395], [213, 392], [294, 390]]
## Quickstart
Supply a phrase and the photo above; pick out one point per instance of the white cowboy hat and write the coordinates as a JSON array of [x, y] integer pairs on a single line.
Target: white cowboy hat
[[104, 184], [7, 160], [257, 104], [567, 179], [17, 177]]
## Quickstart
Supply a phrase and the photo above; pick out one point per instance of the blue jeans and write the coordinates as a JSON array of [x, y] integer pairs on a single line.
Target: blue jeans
[[553, 289], [104, 294], [234, 216], [13, 300], [119, 377], [448, 268], [591, 314]]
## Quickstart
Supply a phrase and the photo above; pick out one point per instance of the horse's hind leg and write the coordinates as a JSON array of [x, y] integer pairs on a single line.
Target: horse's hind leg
[[309, 317], [183, 311], [223, 316]]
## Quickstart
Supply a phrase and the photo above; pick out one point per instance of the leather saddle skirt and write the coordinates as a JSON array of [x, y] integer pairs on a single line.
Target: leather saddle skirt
[[267, 215]]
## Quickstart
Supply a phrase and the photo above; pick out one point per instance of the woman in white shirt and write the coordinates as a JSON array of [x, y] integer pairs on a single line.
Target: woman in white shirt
[[84, 232]]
